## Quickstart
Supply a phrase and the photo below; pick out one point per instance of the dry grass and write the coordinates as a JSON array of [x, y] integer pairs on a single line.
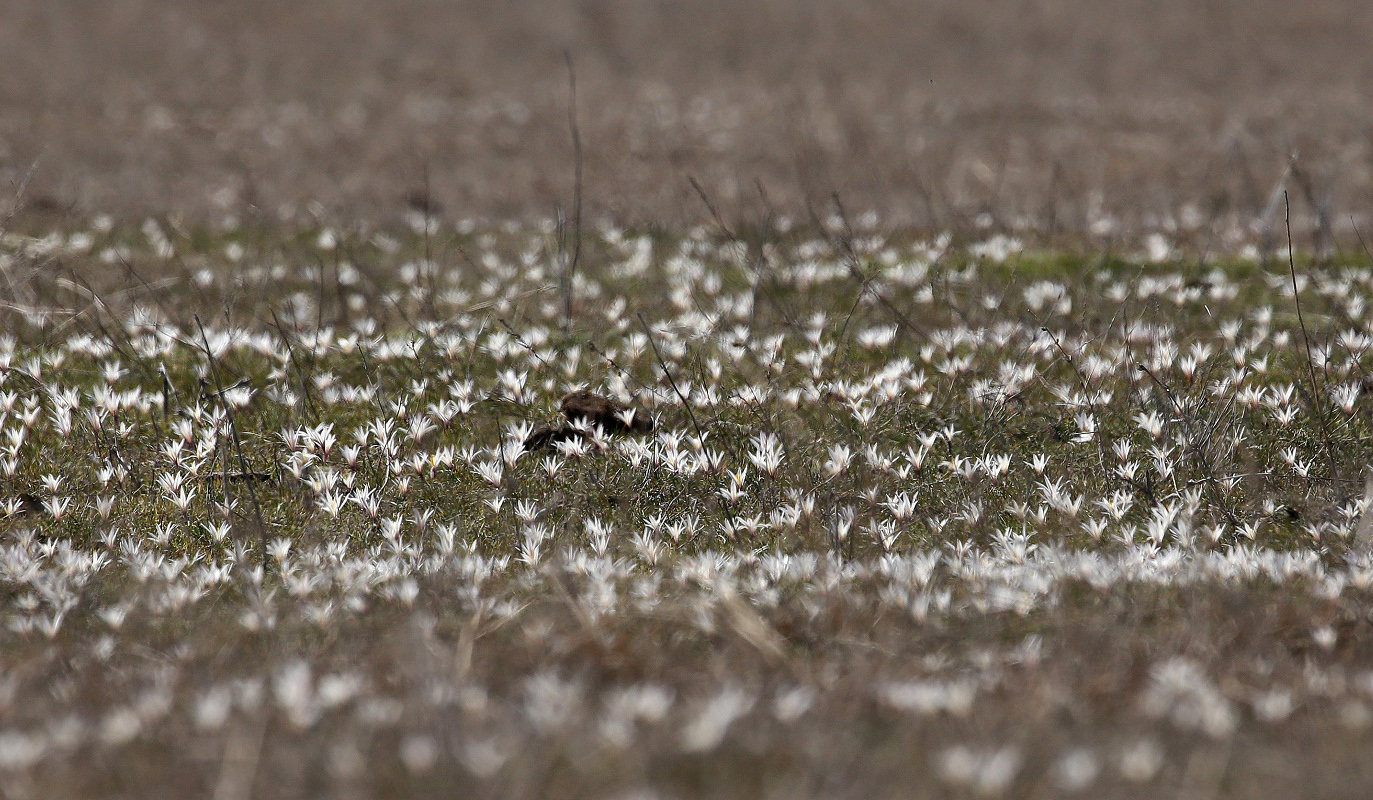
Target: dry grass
[[1049, 113]]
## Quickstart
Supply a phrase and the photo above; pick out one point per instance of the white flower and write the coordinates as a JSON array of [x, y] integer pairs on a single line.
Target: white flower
[[766, 453], [840, 456]]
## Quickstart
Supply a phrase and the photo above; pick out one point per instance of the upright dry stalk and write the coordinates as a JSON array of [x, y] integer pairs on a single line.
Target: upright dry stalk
[[238, 443], [567, 264], [843, 244], [686, 402], [1306, 339], [17, 202]]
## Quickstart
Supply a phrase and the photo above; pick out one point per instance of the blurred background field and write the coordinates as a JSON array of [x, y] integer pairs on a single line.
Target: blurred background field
[[994, 455], [1050, 115]]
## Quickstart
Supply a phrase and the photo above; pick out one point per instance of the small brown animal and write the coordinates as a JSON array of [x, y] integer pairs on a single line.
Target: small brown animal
[[591, 409], [547, 436], [609, 414], [23, 504]]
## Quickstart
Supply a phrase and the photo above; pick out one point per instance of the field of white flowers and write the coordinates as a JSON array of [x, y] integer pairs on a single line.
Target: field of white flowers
[[918, 517]]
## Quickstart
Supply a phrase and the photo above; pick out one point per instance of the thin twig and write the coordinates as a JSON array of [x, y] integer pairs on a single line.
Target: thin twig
[[300, 372], [569, 264], [844, 244], [238, 444], [710, 206], [686, 404], [1306, 337], [20, 189]]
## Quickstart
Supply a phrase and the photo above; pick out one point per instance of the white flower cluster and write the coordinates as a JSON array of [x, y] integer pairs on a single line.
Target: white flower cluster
[[200, 515]]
